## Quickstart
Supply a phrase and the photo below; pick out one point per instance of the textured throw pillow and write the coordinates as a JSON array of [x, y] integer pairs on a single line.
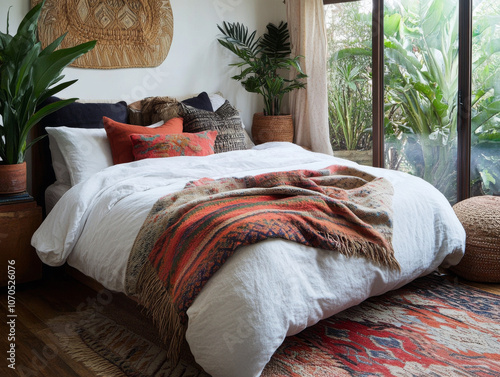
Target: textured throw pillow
[[119, 136], [134, 110], [226, 121], [153, 109], [185, 144], [217, 101]]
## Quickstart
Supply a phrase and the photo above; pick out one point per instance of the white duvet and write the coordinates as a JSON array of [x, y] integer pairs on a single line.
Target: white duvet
[[265, 291]]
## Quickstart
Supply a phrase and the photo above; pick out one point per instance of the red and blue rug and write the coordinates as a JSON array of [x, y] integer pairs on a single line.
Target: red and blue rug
[[431, 327]]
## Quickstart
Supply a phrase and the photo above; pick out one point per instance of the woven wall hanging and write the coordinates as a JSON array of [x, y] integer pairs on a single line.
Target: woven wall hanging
[[130, 33]]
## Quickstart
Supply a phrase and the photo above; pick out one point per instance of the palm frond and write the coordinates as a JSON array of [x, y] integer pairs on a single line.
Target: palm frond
[[275, 42], [236, 37]]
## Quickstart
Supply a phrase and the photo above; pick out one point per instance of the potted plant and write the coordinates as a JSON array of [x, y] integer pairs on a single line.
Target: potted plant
[[28, 76], [264, 61]]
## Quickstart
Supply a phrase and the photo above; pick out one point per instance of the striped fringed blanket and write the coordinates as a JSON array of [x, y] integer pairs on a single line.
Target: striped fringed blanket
[[187, 236]]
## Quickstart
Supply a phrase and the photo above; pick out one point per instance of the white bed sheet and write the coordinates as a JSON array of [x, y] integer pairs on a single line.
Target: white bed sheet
[[265, 291], [53, 193]]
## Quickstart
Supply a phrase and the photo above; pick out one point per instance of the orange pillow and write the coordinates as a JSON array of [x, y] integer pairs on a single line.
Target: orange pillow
[[119, 136]]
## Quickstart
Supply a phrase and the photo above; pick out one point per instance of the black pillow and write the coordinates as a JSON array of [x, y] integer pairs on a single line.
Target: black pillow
[[85, 115], [202, 102]]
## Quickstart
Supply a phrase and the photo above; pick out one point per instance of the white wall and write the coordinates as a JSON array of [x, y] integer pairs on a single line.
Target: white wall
[[195, 63]]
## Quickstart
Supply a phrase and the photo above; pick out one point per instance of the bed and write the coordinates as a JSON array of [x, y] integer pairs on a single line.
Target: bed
[[265, 291]]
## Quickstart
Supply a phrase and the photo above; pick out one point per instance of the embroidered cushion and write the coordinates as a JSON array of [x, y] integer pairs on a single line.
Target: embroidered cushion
[[185, 144], [226, 121], [119, 136]]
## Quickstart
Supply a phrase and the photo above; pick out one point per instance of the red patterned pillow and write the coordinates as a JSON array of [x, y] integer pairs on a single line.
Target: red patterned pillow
[[119, 136], [185, 144]]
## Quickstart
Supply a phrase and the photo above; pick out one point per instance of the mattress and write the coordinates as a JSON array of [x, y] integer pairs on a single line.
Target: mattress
[[53, 193]]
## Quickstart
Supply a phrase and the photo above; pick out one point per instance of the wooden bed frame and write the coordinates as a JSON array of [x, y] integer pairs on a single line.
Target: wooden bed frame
[[42, 174]]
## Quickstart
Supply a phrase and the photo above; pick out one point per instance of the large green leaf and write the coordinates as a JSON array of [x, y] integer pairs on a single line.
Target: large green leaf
[[349, 52], [24, 73], [27, 78], [52, 46], [28, 25], [48, 67], [4, 41], [493, 109], [54, 90], [396, 53], [43, 112], [391, 24]]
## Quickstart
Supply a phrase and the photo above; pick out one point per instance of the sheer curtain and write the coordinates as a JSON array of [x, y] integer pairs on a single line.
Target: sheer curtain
[[309, 107]]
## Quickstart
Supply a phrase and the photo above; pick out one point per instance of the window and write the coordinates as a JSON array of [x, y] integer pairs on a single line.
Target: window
[[413, 86]]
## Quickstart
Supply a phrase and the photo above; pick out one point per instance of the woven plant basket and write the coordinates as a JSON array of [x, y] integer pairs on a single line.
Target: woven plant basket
[[272, 128], [480, 217]]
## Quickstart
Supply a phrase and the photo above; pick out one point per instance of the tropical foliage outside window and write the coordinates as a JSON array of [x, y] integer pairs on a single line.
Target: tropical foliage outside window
[[421, 73], [349, 77]]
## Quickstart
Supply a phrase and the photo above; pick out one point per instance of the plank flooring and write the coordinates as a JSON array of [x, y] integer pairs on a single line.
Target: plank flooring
[[39, 302], [36, 304]]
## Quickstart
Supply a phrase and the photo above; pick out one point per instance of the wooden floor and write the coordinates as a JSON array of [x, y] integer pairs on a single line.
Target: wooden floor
[[37, 303]]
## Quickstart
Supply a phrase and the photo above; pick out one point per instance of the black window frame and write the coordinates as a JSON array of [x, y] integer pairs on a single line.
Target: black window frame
[[464, 90]]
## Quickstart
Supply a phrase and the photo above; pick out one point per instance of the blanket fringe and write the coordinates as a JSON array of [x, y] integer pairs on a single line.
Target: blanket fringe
[[160, 307], [381, 255]]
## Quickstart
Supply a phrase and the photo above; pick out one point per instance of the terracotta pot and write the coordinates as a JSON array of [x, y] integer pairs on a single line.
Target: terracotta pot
[[272, 128], [12, 178]]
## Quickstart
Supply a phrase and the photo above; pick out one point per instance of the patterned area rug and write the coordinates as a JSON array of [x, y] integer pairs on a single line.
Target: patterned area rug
[[431, 327]]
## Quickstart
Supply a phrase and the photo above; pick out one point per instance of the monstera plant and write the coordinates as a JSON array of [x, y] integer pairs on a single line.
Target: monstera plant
[[28, 76]]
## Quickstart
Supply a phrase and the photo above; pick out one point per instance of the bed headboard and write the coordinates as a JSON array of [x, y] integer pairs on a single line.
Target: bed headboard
[[81, 114], [42, 174]]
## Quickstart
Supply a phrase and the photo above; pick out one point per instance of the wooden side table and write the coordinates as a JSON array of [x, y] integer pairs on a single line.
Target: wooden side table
[[18, 222]]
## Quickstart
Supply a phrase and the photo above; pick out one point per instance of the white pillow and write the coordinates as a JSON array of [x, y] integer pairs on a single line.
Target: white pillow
[[58, 164], [216, 100], [156, 125], [85, 151], [71, 168]]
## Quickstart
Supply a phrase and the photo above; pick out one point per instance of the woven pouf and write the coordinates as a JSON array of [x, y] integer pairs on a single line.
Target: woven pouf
[[480, 217]]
